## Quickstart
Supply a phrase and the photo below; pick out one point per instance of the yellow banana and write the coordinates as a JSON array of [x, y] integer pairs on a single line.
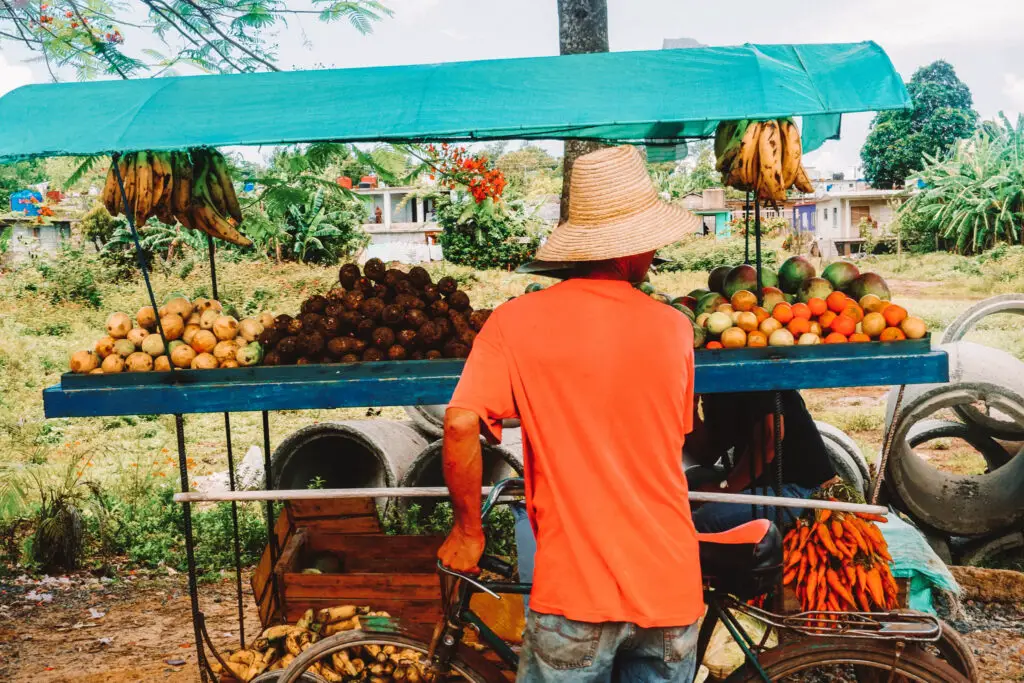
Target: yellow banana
[[769, 181], [181, 193], [280, 631], [802, 182], [748, 155], [792, 150], [158, 183], [143, 188], [167, 171], [222, 175], [210, 221], [130, 184], [111, 192]]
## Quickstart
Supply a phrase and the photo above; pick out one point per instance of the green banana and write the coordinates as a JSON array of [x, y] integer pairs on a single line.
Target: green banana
[[223, 176]]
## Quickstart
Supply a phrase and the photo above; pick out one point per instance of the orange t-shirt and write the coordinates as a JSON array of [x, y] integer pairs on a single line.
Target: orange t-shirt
[[601, 376]]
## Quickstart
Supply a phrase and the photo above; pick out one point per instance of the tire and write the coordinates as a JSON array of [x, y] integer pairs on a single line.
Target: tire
[[848, 659], [478, 671]]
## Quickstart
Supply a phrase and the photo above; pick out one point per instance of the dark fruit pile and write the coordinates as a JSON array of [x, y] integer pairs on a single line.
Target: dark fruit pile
[[378, 314]]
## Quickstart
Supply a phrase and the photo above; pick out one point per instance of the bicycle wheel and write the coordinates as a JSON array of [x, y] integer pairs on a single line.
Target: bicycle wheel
[[856, 660], [468, 665]]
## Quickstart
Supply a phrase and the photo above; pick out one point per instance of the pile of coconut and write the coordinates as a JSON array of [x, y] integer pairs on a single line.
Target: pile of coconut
[[200, 336]]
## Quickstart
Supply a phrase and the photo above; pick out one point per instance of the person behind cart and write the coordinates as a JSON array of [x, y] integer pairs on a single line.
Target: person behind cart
[[601, 377], [733, 448]]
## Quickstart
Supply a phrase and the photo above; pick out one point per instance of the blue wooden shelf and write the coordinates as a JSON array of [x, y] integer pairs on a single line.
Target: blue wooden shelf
[[429, 382]]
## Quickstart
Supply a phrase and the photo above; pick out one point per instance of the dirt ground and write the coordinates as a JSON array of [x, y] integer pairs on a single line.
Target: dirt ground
[[139, 629]]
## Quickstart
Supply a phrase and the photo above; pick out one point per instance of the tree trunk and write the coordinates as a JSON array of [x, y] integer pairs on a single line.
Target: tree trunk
[[582, 27]]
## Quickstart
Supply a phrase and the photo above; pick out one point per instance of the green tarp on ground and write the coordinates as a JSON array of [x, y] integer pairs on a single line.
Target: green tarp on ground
[[659, 97]]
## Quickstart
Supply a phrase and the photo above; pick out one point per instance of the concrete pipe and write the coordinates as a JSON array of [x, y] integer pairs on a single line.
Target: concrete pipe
[[847, 459], [1003, 547], [972, 364], [430, 419], [350, 454], [957, 504], [926, 430], [1004, 303]]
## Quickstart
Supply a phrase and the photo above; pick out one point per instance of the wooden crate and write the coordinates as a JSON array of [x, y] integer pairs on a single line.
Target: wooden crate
[[396, 574]]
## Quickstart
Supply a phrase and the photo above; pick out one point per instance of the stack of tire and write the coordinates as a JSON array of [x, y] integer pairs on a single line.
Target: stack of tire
[[970, 519]]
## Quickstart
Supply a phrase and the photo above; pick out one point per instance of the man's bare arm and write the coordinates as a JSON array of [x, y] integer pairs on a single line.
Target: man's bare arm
[[462, 462]]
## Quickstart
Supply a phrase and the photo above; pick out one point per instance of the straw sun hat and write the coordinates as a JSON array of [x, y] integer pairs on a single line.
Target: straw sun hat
[[614, 211]]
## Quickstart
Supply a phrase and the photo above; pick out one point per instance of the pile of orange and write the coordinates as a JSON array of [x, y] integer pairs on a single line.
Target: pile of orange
[[836, 320]]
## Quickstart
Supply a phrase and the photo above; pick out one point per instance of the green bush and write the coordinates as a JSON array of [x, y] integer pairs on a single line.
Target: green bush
[[70, 278], [488, 234], [701, 254]]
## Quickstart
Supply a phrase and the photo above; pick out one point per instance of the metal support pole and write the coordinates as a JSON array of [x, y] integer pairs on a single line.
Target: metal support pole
[[757, 248], [777, 433], [190, 554], [211, 248], [269, 486], [746, 230]]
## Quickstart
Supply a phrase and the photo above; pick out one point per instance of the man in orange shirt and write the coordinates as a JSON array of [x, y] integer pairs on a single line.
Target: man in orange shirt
[[601, 377]]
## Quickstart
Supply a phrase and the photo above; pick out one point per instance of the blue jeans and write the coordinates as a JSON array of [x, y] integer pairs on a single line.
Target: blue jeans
[[560, 650], [526, 547], [711, 518]]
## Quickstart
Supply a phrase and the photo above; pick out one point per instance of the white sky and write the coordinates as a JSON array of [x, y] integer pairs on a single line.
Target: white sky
[[981, 38]]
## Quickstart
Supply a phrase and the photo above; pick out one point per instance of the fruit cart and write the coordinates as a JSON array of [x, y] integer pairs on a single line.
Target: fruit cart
[[657, 98]]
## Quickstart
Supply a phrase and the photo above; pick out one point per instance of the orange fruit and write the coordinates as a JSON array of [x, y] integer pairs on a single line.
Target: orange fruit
[[769, 325], [761, 314], [835, 338], [913, 327], [894, 314], [892, 334], [854, 311], [858, 337], [844, 325], [713, 345], [836, 302], [873, 324], [799, 326], [817, 306], [801, 311], [783, 312], [734, 338], [870, 302], [743, 300], [826, 320], [746, 321], [757, 338]]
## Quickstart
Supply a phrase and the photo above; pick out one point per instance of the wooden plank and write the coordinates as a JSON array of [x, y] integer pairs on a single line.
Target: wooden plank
[[261, 575], [414, 611], [378, 553], [363, 588], [318, 508], [289, 559], [429, 382]]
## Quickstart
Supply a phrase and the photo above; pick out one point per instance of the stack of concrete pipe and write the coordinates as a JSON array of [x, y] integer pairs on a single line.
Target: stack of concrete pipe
[[970, 518]]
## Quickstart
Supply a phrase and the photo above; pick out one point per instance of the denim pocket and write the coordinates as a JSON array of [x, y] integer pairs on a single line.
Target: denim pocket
[[563, 643], [680, 642]]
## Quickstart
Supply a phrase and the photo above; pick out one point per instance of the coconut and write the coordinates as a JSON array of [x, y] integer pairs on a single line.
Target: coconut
[[182, 356], [136, 335], [105, 346], [266, 319], [146, 317], [208, 318], [202, 305], [194, 319], [204, 361], [447, 286], [124, 348], [162, 364], [179, 305], [250, 354], [383, 337], [224, 350], [189, 333], [139, 362], [459, 300], [84, 361], [203, 341], [119, 325], [229, 363], [250, 329], [225, 327], [173, 326], [153, 345]]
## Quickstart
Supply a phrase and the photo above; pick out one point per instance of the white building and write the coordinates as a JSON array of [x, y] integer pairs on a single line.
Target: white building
[[401, 226], [838, 216]]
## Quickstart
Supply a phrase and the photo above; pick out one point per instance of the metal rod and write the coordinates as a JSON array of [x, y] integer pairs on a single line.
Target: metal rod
[[190, 551], [234, 528], [213, 264], [746, 230], [876, 486], [269, 486], [777, 429], [757, 247], [442, 492]]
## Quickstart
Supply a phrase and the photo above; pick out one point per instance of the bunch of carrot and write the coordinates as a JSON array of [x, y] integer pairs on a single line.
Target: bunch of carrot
[[839, 562]]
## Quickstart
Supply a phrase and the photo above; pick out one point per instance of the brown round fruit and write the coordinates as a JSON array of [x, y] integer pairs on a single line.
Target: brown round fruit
[[419, 276], [189, 333], [393, 314], [456, 349], [208, 319], [224, 350], [459, 300], [913, 327], [84, 362], [478, 318], [104, 346], [407, 338], [415, 318], [365, 328], [373, 354], [272, 358], [179, 305], [314, 304], [438, 309], [146, 317], [229, 363], [392, 276], [161, 364], [139, 362], [124, 348], [350, 358], [295, 326], [374, 269], [182, 356], [136, 335], [447, 286], [119, 325], [288, 349], [250, 329], [173, 326], [396, 352], [204, 341], [312, 344], [204, 361], [113, 364], [372, 308], [734, 338], [383, 337], [339, 346], [153, 345], [433, 354], [348, 275]]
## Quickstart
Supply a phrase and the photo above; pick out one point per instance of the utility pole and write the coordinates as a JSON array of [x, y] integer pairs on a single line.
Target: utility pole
[[582, 27]]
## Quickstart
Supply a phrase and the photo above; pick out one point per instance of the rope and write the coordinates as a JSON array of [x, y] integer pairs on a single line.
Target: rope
[[890, 434]]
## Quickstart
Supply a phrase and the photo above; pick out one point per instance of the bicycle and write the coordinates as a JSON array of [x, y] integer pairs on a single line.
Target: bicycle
[[737, 565]]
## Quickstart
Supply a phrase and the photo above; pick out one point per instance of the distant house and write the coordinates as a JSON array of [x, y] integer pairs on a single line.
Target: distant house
[[837, 217], [30, 239], [401, 226]]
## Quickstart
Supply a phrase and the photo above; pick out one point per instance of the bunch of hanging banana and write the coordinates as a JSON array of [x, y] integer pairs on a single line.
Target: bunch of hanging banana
[[193, 188], [762, 157]]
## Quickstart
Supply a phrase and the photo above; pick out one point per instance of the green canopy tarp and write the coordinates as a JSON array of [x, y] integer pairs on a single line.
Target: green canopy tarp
[[656, 97]]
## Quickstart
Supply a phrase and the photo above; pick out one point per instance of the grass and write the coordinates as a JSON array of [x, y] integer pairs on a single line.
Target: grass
[[38, 332]]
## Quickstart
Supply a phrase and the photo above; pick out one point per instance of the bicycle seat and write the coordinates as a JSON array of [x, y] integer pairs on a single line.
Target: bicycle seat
[[744, 560]]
